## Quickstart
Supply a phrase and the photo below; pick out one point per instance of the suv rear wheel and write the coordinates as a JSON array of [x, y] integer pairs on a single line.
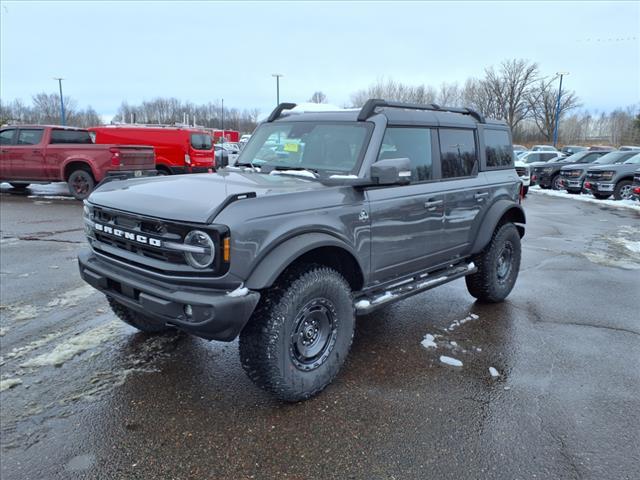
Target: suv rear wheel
[[300, 334], [135, 319], [623, 190], [498, 266]]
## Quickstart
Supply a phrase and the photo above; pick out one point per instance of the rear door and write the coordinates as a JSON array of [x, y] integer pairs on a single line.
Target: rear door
[[407, 220], [27, 162], [7, 142], [466, 192]]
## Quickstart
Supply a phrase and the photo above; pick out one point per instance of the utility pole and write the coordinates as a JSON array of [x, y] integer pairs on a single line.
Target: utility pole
[[555, 128], [223, 139], [62, 118], [277, 75]]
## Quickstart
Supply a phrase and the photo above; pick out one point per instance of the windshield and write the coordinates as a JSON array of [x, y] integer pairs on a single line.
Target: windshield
[[613, 157], [576, 157], [326, 146], [201, 141]]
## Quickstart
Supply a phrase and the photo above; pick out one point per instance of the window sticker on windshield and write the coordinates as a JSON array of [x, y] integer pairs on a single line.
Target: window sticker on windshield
[[290, 147]]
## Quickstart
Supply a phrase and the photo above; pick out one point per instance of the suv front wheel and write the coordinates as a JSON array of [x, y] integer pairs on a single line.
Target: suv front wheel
[[498, 266], [300, 334]]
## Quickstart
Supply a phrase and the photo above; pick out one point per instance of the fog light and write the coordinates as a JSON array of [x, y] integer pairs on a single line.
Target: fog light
[[188, 311]]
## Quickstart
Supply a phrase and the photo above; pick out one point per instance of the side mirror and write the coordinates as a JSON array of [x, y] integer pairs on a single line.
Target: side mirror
[[391, 171]]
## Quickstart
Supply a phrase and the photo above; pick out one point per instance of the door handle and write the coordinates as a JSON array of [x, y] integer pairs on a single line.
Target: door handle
[[432, 204], [481, 196]]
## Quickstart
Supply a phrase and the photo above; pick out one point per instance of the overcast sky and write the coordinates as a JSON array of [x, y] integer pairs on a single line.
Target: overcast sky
[[202, 51]]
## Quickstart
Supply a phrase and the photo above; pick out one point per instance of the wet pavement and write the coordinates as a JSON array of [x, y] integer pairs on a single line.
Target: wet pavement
[[85, 396]]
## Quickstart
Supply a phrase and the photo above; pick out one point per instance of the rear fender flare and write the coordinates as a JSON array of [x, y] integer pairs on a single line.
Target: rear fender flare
[[497, 211]]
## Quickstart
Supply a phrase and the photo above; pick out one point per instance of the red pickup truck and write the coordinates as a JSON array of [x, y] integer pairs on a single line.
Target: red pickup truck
[[44, 154]]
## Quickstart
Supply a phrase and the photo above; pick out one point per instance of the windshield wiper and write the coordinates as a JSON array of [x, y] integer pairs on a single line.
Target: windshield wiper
[[286, 170]]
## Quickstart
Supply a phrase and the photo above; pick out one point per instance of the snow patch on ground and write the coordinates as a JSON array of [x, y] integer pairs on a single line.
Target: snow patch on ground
[[72, 297], [8, 383], [429, 341], [454, 362], [51, 197], [22, 351], [239, 292], [76, 345], [20, 313], [493, 372], [632, 204], [458, 323]]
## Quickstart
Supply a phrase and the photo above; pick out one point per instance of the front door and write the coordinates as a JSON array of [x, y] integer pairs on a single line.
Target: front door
[[407, 220], [28, 155]]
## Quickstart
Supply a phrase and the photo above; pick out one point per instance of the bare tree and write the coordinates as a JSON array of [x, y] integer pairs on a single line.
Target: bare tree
[[396, 91], [318, 97], [543, 102]]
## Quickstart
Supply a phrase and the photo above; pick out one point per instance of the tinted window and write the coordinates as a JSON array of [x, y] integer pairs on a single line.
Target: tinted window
[[458, 153], [31, 136], [498, 148], [590, 157], [70, 136], [6, 136], [411, 143], [201, 141], [547, 156]]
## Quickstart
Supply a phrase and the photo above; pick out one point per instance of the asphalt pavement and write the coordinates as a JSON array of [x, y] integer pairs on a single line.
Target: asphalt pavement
[[85, 396]]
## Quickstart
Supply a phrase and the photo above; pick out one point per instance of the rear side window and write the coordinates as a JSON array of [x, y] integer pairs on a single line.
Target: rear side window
[[411, 143], [498, 149], [30, 136], [6, 136], [547, 156], [70, 136], [458, 153], [201, 141]]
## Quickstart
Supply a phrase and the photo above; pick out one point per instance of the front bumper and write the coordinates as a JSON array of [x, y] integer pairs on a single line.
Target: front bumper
[[526, 181], [215, 314], [543, 179], [599, 187], [570, 184]]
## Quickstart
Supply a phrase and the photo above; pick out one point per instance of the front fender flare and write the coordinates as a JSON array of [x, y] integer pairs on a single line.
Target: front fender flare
[[489, 222], [280, 257]]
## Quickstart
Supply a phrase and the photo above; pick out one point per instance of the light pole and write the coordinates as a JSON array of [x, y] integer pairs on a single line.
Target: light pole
[[62, 119], [277, 75], [555, 128], [223, 139]]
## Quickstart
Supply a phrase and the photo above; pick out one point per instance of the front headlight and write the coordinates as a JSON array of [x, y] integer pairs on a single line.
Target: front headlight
[[200, 251], [575, 173], [607, 175]]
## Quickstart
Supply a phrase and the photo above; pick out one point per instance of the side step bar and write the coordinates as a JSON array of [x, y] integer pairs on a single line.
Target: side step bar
[[368, 303]]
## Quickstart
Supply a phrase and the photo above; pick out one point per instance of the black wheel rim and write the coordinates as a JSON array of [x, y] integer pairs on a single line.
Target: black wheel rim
[[504, 263], [314, 334], [80, 185]]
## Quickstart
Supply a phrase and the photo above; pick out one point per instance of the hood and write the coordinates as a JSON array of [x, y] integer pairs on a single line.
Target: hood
[[617, 167], [575, 166], [193, 198]]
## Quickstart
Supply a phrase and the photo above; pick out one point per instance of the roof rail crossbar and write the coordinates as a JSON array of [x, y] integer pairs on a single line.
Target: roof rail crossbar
[[279, 109], [370, 106]]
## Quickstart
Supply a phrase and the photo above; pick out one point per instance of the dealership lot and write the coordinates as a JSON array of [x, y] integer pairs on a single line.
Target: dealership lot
[[85, 396]]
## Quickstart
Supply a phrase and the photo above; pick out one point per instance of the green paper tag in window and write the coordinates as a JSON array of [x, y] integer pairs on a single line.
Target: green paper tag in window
[[290, 147]]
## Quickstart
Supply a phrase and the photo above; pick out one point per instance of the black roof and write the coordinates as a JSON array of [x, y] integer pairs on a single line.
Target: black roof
[[395, 112]]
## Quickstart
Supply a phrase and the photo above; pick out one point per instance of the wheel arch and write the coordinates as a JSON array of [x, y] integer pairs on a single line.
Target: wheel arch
[[503, 211], [77, 164], [319, 248]]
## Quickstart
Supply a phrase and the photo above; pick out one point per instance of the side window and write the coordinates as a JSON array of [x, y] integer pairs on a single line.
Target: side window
[[411, 143], [458, 153], [498, 149], [6, 136], [545, 157], [70, 136], [29, 136]]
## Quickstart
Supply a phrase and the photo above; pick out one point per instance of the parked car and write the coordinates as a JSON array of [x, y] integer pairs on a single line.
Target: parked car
[[571, 149], [178, 149], [48, 153], [223, 157], [243, 141], [517, 149], [625, 148], [544, 148], [285, 252], [572, 176], [601, 148], [539, 157], [522, 169], [635, 190], [616, 180], [548, 175]]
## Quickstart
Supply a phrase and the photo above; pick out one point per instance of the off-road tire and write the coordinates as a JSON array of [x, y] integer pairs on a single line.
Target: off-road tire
[[620, 186], [19, 186], [600, 196], [135, 319], [487, 285], [268, 349], [81, 184]]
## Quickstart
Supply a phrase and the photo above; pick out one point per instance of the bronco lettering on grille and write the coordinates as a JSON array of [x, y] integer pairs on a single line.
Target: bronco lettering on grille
[[134, 237]]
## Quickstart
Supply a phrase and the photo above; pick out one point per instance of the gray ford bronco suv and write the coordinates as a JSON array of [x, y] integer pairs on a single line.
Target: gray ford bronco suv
[[324, 217]]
